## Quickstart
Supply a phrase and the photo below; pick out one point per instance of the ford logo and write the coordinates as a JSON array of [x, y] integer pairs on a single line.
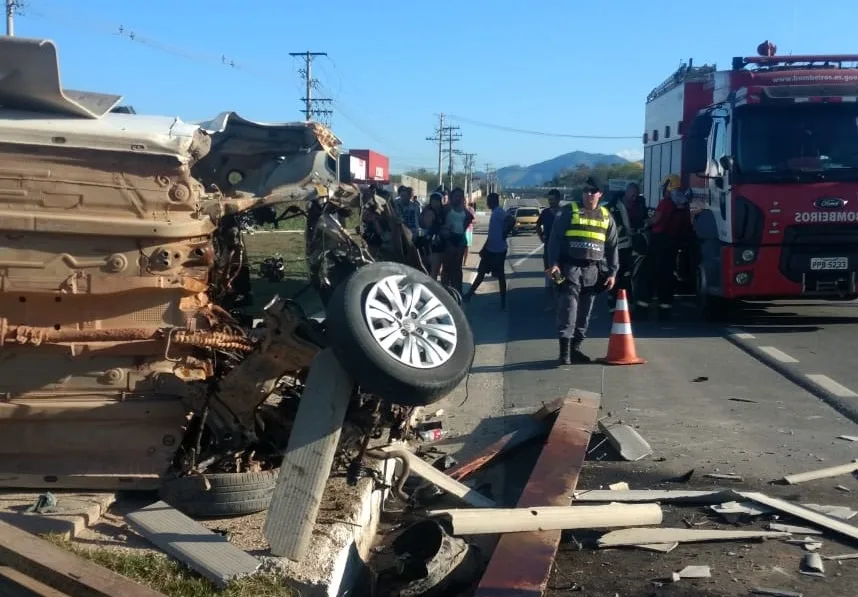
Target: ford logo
[[830, 203]]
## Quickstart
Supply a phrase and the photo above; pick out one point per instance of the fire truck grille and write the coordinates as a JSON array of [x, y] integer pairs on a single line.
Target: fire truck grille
[[819, 250]]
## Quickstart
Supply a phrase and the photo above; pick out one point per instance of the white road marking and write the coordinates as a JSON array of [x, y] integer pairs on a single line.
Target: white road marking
[[830, 385], [529, 255], [740, 335], [778, 355]]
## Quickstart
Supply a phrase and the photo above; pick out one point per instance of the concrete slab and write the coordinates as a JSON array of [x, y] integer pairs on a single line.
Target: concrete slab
[[74, 511], [340, 545]]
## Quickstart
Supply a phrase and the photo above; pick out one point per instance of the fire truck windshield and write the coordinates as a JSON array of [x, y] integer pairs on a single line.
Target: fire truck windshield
[[797, 142]]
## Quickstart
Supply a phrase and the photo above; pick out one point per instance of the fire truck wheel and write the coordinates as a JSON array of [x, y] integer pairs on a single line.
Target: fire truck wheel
[[400, 334]]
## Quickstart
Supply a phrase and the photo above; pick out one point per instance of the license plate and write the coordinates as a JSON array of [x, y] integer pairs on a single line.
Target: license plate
[[829, 263]]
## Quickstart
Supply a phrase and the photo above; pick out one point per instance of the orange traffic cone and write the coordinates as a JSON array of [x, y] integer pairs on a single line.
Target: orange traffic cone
[[621, 344]]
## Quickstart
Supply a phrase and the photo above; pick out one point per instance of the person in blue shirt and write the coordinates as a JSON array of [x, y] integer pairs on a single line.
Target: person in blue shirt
[[493, 253]]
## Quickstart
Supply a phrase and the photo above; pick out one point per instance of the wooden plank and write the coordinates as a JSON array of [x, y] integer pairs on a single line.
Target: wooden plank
[[521, 563], [61, 569], [633, 537], [183, 538], [826, 522], [308, 459], [17, 584], [678, 496]]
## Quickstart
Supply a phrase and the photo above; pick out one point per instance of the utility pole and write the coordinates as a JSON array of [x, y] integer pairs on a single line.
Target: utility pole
[[453, 135], [310, 110], [439, 139], [469, 173], [489, 173], [12, 7]]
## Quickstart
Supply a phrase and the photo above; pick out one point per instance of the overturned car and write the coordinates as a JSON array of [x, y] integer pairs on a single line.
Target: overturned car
[[123, 362]]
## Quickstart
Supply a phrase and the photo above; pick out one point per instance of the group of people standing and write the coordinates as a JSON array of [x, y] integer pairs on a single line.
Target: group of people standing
[[443, 230]]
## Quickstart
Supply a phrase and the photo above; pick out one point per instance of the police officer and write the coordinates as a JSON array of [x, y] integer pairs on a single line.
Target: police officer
[[583, 238]]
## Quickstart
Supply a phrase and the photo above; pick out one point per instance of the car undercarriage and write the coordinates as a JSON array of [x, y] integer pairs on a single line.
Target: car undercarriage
[[125, 360]]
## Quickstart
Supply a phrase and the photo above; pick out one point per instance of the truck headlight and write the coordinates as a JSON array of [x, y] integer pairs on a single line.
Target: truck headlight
[[743, 278], [748, 255]]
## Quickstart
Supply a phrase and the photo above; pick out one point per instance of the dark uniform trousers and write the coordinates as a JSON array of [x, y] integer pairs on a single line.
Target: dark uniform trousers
[[575, 298]]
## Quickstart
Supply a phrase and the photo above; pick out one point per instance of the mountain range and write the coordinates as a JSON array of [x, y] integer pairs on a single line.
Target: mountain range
[[542, 172]]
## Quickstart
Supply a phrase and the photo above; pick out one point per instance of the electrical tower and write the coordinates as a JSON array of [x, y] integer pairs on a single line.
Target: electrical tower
[[311, 103]]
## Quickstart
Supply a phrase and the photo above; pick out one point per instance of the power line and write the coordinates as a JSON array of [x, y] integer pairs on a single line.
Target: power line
[[538, 133], [452, 136]]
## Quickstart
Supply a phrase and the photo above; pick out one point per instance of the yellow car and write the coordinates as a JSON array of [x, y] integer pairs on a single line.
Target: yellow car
[[525, 219]]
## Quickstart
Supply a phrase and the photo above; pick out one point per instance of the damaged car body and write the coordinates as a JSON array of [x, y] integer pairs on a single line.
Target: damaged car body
[[124, 362]]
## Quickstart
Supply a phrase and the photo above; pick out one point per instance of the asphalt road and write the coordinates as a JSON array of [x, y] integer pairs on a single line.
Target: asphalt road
[[714, 398]]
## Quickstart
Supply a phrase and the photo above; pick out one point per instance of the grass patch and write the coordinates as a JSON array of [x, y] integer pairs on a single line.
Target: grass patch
[[171, 578], [290, 245]]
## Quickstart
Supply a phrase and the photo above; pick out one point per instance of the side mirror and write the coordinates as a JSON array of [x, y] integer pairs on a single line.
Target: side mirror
[[726, 162]]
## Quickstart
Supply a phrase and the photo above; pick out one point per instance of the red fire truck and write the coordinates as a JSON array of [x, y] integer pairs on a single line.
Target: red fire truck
[[769, 152]]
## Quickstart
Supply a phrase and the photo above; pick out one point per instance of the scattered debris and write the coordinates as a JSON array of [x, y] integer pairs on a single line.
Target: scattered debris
[[659, 547], [811, 565], [695, 572], [849, 438], [736, 399], [626, 441], [791, 528], [548, 518], [823, 473], [432, 431], [775, 592], [725, 477], [683, 478], [633, 537], [655, 495], [621, 486], [807, 513], [807, 543], [845, 556], [700, 379], [733, 511], [839, 512], [843, 488], [183, 538], [44, 504]]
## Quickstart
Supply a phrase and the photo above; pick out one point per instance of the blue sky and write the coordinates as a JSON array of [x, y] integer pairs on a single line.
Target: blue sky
[[544, 65]]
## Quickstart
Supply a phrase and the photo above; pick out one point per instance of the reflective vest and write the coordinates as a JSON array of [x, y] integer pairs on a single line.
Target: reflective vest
[[586, 233]]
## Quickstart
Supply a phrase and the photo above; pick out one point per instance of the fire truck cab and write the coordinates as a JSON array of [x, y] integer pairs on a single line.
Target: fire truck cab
[[769, 152]]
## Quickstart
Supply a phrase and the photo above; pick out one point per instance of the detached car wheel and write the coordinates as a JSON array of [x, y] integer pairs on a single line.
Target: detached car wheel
[[229, 494], [400, 334]]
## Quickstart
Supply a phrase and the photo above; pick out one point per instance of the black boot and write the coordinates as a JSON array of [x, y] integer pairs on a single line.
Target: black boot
[[565, 344], [577, 356]]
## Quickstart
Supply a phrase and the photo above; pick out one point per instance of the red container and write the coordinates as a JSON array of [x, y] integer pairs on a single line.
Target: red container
[[377, 165]]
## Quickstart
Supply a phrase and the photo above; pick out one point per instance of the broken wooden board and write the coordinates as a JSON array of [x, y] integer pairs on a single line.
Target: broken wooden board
[[775, 592], [209, 554], [791, 528], [308, 458], [534, 427], [823, 473], [60, 569], [522, 562], [826, 522], [628, 443], [838, 512], [634, 537], [654, 495], [17, 584], [659, 547]]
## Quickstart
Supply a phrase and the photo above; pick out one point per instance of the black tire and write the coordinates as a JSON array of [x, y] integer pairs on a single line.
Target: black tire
[[370, 366], [455, 294], [231, 494]]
